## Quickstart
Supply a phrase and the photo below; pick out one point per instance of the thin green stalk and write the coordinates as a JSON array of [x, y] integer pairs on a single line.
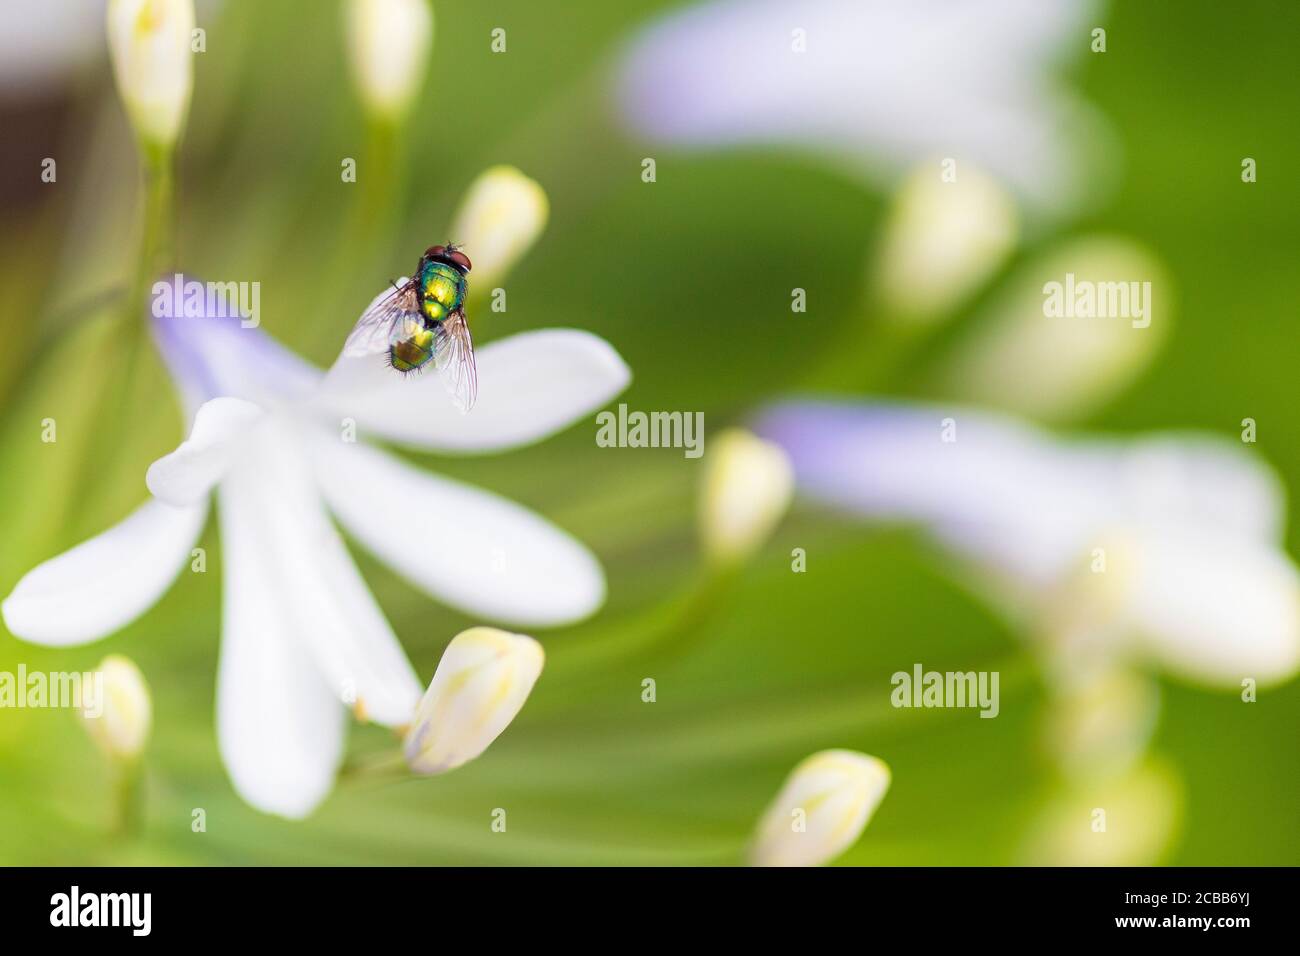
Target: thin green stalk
[[374, 765], [365, 239], [157, 239], [128, 798]]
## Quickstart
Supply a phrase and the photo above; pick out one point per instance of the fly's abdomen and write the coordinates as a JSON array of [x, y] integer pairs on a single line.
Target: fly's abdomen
[[412, 350], [442, 291]]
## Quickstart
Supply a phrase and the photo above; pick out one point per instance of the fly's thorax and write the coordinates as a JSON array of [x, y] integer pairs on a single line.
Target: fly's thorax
[[442, 290]]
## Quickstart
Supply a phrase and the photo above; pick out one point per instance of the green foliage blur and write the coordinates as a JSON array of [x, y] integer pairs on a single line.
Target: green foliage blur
[[689, 279]]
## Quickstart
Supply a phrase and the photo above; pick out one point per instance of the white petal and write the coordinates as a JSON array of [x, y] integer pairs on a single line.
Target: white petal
[[279, 723], [105, 583], [1214, 610], [1206, 482], [472, 549], [529, 386], [198, 463], [333, 612]]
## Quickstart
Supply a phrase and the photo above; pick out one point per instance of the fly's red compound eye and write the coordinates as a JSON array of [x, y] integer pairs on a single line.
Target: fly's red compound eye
[[433, 251], [460, 259]]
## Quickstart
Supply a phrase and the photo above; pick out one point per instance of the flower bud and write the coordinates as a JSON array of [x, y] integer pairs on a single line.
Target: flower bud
[[1127, 820], [822, 809], [1101, 721], [481, 683], [150, 45], [1070, 329], [119, 712], [942, 239], [389, 42], [748, 483], [499, 219]]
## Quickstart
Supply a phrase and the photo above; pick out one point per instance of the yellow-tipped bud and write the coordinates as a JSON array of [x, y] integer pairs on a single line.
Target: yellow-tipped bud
[[499, 219], [822, 810], [152, 60], [119, 714], [389, 43], [748, 483], [482, 681], [1069, 330], [942, 239]]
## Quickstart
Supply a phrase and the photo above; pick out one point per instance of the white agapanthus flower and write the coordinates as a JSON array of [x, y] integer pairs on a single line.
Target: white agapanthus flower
[[301, 633], [879, 84], [1162, 549]]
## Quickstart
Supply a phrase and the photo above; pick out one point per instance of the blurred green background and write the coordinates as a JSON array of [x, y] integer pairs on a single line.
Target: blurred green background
[[787, 664]]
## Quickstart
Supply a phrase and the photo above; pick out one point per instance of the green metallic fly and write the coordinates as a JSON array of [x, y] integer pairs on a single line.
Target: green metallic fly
[[423, 320]]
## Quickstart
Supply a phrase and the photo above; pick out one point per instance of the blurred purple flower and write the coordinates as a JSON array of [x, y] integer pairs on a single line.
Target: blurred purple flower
[[880, 84], [1165, 548]]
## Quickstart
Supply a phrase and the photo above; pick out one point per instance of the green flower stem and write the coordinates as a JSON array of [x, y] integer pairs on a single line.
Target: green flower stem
[[158, 236], [689, 628], [153, 259], [128, 798], [382, 181], [870, 356], [376, 769], [673, 630], [368, 234]]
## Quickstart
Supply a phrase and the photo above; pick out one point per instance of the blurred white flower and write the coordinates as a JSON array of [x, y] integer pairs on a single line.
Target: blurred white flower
[[43, 41], [501, 216], [301, 632], [1164, 549], [1062, 367], [149, 41], [388, 44], [482, 681], [125, 712], [941, 240], [748, 484], [879, 84], [822, 809]]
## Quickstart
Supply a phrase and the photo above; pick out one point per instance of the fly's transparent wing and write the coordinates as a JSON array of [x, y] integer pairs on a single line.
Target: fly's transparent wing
[[454, 360], [374, 330]]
